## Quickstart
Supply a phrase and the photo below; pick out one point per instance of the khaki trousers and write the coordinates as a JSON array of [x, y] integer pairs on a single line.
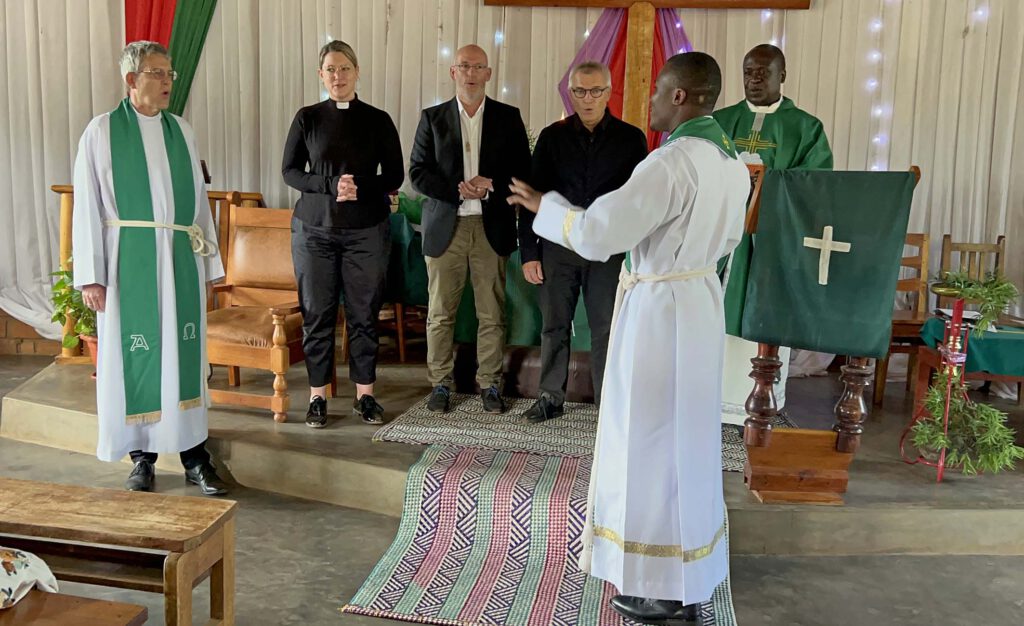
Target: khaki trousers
[[446, 276]]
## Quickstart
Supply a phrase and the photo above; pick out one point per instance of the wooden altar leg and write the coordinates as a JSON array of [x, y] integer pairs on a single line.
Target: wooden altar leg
[[851, 409], [760, 405]]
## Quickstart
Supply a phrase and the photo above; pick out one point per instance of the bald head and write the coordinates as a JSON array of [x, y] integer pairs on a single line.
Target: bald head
[[470, 53], [470, 73], [764, 71]]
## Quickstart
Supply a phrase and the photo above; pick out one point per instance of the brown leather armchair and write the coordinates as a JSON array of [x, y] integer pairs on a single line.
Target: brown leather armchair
[[256, 321]]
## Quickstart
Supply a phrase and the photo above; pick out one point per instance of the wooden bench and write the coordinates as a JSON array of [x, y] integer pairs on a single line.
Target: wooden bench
[[40, 608], [144, 541]]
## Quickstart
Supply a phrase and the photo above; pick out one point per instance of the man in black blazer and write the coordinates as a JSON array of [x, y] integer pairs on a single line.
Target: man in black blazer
[[463, 159]]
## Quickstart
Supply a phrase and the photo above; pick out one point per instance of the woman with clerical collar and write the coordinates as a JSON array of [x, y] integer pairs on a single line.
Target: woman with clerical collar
[[345, 157]]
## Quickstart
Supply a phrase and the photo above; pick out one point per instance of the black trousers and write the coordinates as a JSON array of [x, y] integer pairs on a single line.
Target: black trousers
[[193, 457], [334, 264], [565, 274]]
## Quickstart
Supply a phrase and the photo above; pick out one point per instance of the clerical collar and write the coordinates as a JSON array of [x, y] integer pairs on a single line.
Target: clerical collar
[[771, 108]]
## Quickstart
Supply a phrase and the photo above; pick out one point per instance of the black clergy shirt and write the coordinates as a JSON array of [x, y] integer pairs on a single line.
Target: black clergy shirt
[[360, 140], [581, 165]]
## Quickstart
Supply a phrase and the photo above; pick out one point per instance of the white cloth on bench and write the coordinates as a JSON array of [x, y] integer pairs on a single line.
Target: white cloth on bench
[[20, 572]]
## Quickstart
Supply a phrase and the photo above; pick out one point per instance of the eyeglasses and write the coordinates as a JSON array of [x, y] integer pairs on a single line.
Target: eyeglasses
[[337, 70], [595, 92], [161, 74], [466, 67]]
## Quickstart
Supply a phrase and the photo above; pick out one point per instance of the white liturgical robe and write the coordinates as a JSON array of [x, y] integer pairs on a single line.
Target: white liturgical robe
[[656, 515]]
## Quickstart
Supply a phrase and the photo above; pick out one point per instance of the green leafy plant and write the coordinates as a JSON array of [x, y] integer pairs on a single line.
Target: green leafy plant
[[68, 300], [993, 295], [977, 440], [531, 136]]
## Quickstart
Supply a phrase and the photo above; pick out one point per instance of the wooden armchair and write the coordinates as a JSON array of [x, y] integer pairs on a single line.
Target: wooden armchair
[[906, 324], [256, 322]]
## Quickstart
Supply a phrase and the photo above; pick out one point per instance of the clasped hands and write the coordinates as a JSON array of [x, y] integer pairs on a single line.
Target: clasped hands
[[476, 188], [346, 188]]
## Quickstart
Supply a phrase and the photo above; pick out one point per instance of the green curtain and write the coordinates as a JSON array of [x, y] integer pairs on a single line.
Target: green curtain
[[191, 23]]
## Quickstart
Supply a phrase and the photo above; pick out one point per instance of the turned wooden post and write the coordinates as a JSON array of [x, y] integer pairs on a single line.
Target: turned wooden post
[[67, 209], [851, 409], [761, 406], [279, 365]]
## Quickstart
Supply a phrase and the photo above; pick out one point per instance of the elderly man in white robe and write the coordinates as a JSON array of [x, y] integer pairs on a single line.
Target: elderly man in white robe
[[656, 520], [143, 241]]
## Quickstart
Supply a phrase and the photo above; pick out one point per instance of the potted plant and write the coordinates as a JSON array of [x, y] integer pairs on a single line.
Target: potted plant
[[977, 439], [68, 301]]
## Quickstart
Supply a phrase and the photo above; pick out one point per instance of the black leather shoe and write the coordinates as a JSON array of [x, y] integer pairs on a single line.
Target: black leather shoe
[[369, 410], [542, 410], [316, 416], [656, 612], [492, 400], [207, 479], [440, 399], [141, 478]]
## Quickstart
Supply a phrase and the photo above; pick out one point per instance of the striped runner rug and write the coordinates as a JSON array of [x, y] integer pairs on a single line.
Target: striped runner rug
[[492, 537], [467, 425]]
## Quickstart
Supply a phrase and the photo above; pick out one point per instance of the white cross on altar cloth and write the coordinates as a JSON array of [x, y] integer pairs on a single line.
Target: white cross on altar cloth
[[827, 246]]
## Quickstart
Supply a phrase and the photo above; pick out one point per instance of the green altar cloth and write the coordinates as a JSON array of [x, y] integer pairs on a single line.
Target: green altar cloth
[[1000, 352]]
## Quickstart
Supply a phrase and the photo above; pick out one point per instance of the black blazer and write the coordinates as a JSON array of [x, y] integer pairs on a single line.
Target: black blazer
[[435, 169]]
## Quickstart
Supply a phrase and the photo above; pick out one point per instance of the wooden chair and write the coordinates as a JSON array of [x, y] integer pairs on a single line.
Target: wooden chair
[[977, 259], [256, 322], [906, 324]]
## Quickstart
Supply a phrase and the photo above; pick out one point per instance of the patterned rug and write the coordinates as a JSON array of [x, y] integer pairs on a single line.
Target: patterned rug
[[573, 434], [492, 537]]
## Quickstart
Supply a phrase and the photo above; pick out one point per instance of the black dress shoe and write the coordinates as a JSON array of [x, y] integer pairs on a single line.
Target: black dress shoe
[[440, 399], [141, 478], [316, 416], [369, 410], [542, 410], [656, 612], [492, 400], [207, 479]]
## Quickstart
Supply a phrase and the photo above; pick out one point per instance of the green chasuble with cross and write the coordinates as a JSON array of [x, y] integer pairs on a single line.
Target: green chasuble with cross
[[827, 259], [789, 138], [784, 137]]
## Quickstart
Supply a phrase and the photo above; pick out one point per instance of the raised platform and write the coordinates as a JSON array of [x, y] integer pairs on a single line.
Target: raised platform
[[891, 508]]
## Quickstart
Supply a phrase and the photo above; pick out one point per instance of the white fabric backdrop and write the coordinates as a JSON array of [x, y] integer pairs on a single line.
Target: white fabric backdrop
[[948, 81]]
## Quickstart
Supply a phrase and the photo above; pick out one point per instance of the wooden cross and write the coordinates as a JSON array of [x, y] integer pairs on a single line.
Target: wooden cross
[[640, 38], [827, 245]]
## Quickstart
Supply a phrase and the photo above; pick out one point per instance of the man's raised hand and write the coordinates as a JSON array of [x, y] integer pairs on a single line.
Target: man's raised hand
[[524, 195]]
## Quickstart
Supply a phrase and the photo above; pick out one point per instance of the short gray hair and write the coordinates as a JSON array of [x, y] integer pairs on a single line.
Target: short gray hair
[[135, 53], [592, 67], [339, 46]]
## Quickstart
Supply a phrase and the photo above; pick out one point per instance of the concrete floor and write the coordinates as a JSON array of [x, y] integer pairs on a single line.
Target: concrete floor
[[299, 561]]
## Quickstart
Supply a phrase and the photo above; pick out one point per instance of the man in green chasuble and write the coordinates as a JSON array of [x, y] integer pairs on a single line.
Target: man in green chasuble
[[767, 128]]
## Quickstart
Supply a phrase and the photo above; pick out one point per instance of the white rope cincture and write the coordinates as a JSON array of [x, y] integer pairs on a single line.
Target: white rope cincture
[[200, 244]]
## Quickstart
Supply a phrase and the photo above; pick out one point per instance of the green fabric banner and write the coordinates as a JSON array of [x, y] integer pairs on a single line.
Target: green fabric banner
[[191, 23], [826, 259], [139, 299]]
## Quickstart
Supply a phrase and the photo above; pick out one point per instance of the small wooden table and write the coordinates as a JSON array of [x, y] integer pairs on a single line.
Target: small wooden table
[[40, 608], [146, 541]]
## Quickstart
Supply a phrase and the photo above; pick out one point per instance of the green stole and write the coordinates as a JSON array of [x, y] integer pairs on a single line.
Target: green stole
[[706, 128], [137, 269]]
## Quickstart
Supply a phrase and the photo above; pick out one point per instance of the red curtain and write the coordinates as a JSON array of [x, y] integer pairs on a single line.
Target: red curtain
[[149, 19], [617, 65]]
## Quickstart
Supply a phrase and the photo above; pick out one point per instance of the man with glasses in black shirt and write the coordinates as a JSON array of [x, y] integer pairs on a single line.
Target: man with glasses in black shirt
[[581, 157]]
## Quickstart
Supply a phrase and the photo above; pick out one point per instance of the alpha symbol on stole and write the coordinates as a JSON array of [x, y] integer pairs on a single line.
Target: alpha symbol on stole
[[138, 341]]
